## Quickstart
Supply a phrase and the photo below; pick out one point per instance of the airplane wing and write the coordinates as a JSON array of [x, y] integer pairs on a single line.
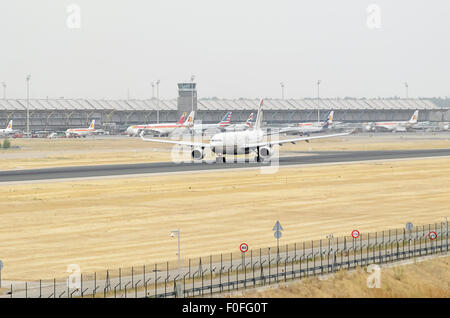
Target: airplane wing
[[152, 130], [293, 140], [176, 142]]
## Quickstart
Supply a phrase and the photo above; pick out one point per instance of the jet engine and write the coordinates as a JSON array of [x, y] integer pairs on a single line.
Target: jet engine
[[265, 152], [197, 153]]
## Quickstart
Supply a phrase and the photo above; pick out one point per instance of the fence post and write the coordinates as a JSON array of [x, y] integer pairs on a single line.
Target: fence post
[[220, 272], [156, 280], [361, 249], [269, 263], [295, 257], [228, 270], [285, 269], [95, 284], [210, 273], [321, 263], [404, 242], [201, 271], [446, 221]]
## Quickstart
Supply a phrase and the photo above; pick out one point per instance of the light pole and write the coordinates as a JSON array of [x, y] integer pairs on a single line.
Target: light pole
[[4, 90], [172, 234], [192, 88], [153, 90], [157, 101], [406, 88], [282, 90], [28, 105], [318, 100]]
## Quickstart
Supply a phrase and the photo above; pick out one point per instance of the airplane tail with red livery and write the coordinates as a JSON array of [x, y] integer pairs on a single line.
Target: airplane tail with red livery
[[182, 118], [414, 118], [248, 123], [189, 122], [226, 120]]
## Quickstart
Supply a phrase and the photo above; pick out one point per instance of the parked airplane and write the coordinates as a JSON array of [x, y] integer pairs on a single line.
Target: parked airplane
[[81, 132], [241, 126], [225, 122], [162, 129], [240, 142], [308, 128], [394, 125], [8, 130]]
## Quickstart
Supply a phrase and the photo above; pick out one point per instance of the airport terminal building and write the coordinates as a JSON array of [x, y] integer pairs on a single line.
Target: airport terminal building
[[116, 115]]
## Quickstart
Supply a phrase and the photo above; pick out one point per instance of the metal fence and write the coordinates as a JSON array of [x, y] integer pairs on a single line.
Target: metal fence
[[205, 276]]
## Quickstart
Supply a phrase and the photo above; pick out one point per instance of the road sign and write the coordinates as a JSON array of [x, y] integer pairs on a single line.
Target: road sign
[[409, 226], [432, 235], [277, 227], [277, 234], [355, 233], [243, 247]]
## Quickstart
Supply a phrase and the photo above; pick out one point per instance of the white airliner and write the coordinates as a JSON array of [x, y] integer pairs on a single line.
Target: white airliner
[[394, 125], [240, 142], [81, 132], [8, 130], [162, 129], [312, 127]]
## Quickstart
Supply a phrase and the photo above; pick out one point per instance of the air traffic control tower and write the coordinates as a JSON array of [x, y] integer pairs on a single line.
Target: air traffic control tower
[[187, 97]]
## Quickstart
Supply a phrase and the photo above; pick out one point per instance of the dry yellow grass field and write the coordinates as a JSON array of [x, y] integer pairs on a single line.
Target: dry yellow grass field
[[40, 153], [120, 222], [425, 279]]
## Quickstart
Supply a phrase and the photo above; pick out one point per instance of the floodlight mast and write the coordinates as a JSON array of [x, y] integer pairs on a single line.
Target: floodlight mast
[[28, 105], [318, 100], [157, 101], [192, 91]]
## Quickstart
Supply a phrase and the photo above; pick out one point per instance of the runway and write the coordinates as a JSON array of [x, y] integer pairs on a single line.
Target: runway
[[307, 158]]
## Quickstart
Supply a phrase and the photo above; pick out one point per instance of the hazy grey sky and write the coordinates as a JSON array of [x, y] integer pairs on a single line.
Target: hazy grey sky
[[236, 48]]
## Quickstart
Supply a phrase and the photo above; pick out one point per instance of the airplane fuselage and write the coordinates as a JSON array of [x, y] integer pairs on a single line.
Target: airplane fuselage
[[234, 142], [164, 128], [82, 132]]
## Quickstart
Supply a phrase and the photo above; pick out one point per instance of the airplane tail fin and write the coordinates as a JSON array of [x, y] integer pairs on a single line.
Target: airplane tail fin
[[182, 119], [226, 120], [329, 120], [189, 120], [330, 117], [92, 125], [9, 124], [414, 117], [248, 123], [259, 115]]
